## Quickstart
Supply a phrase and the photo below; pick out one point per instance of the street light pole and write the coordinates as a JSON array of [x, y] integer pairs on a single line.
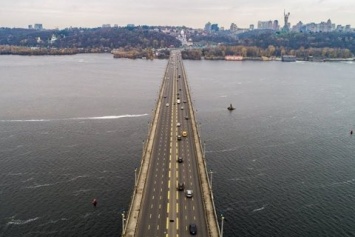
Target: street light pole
[[123, 224], [135, 177], [204, 150], [211, 172], [222, 217]]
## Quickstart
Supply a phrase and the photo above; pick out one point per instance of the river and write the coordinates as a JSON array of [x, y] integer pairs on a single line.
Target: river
[[72, 129]]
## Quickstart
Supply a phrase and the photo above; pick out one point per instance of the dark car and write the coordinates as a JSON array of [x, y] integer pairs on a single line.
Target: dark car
[[181, 186], [186, 117], [193, 229], [180, 160], [178, 137]]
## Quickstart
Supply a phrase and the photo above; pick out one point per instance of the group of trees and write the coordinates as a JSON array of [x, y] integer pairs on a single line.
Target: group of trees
[[104, 39], [269, 43], [272, 51], [135, 42], [19, 50]]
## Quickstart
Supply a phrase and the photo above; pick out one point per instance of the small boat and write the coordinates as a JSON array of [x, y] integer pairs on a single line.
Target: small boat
[[231, 107]]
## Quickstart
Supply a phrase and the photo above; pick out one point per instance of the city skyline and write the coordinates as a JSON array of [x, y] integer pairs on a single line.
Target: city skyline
[[92, 13]]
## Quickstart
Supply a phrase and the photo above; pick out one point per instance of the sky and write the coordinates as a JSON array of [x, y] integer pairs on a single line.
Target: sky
[[191, 13]]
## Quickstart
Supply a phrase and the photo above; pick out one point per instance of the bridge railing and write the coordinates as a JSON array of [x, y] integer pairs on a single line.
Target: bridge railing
[[144, 156], [193, 118]]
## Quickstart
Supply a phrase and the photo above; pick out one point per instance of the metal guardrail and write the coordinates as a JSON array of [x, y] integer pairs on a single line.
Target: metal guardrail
[[144, 152], [193, 118]]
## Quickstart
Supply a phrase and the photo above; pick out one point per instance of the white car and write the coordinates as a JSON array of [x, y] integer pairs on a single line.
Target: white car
[[189, 193], [178, 125], [167, 104]]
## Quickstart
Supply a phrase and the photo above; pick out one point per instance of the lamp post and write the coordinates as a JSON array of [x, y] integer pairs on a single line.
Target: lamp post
[[222, 219], [143, 148], [123, 223], [135, 177], [204, 149], [211, 173]]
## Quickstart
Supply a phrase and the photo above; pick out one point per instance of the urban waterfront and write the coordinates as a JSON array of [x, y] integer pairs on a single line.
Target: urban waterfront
[[73, 126]]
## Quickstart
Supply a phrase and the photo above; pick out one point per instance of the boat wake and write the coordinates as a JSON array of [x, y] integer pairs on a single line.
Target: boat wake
[[259, 209], [79, 118], [21, 222]]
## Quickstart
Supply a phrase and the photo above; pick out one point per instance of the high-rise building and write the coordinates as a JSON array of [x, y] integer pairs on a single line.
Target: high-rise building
[[233, 27], [208, 27], [265, 25], [38, 26], [275, 25]]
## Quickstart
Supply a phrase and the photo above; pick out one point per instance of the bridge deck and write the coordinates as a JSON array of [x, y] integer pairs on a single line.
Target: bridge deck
[[158, 208]]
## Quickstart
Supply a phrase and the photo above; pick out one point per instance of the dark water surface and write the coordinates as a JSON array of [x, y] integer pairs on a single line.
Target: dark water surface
[[72, 129]]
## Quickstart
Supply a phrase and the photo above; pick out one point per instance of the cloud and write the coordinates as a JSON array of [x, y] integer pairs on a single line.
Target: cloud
[[93, 13]]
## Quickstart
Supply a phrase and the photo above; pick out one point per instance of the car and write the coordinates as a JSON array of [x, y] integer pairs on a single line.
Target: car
[[180, 160], [181, 186], [184, 133], [164, 96], [182, 107], [167, 105], [178, 125], [179, 75], [193, 229], [184, 101], [178, 137], [189, 193], [179, 89], [186, 117]]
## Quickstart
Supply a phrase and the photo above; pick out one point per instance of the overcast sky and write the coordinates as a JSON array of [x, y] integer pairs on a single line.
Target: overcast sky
[[192, 13]]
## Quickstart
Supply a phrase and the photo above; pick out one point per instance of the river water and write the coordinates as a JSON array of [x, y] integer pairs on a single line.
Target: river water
[[72, 129]]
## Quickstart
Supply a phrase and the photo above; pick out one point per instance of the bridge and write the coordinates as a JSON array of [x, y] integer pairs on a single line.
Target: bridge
[[172, 194]]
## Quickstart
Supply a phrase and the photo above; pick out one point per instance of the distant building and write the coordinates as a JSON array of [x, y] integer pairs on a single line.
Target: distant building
[[233, 28], [53, 39], [265, 25], [251, 27], [106, 26], [298, 27], [327, 26], [38, 26], [130, 25], [116, 26], [233, 58], [208, 27], [275, 25], [30, 27]]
